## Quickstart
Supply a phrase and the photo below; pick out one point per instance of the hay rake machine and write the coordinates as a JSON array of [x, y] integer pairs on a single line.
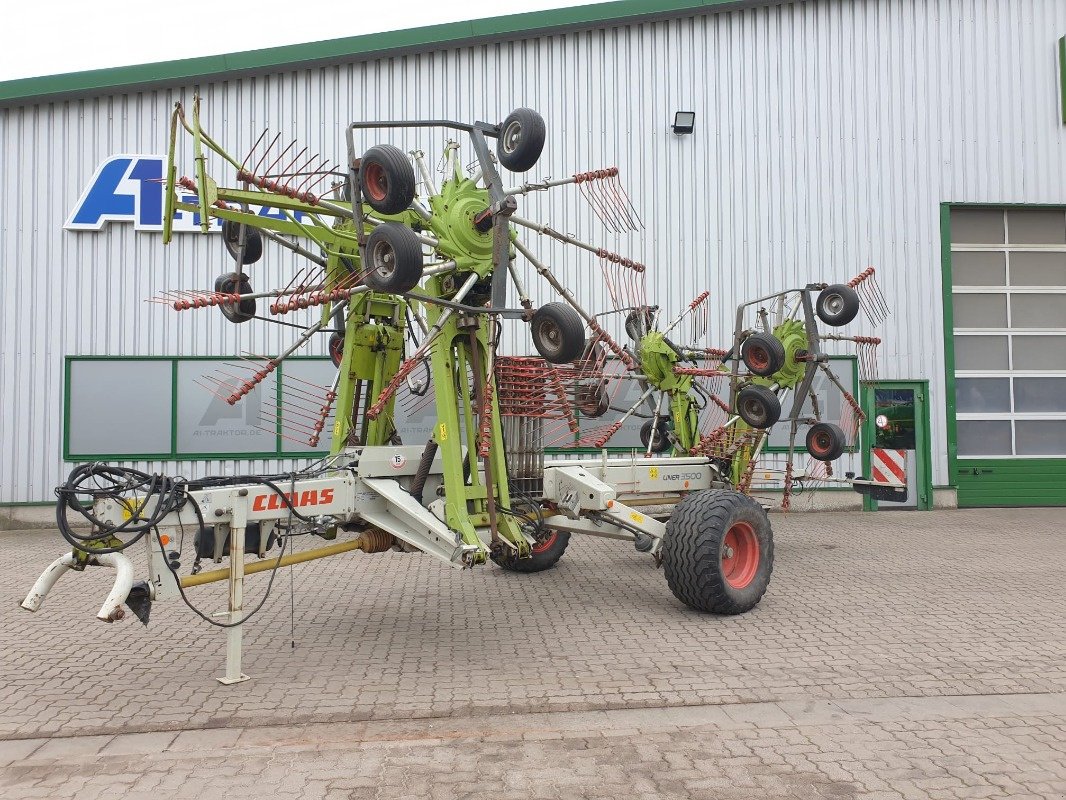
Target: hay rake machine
[[410, 282]]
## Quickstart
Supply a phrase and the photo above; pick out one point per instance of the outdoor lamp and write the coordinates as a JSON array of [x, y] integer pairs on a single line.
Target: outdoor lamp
[[684, 121]]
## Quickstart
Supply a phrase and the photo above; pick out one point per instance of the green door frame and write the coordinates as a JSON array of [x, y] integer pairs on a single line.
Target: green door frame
[[1052, 470], [924, 469]]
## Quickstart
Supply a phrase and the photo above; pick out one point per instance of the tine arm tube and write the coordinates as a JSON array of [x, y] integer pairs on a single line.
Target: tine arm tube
[[52, 573], [111, 610]]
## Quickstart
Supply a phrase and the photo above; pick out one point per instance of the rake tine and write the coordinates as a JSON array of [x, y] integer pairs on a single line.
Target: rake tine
[[252, 149]]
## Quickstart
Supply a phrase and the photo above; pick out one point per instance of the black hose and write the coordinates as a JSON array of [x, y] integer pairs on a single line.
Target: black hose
[[422, 473]]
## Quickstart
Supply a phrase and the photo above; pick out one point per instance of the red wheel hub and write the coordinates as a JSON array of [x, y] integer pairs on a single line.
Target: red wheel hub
[[759, 358], [740, 555], [545, 543], [377, 183], [821, 443]]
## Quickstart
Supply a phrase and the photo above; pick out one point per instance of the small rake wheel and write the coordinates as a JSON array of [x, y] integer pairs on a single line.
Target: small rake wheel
[[235, 283], [837, 305], [758, 406], [386, 179], [825, 441], [393, 259], [558, 333], [253, 242], [521, 140], [763, 354]]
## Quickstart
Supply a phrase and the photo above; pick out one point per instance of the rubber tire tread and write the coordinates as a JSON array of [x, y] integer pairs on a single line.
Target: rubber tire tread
[[253, 242], [847, 314], [399, 173], [570, 326], [662, 445], [235, 283], [769, 397], [834, 430], [531, 145], [691, 551], [407, 268], [537, 562], [774, 348]]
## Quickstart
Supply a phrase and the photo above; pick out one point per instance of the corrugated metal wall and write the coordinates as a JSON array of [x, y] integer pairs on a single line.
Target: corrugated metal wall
[[827, 134]]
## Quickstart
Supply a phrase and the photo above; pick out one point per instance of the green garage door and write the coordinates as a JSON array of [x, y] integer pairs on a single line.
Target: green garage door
[[1006, 274]]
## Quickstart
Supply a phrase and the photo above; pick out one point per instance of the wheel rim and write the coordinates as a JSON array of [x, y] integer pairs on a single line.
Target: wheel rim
[[821, 443], [740, 555], [377, 182], [754, 411], [834, 304], [758, 358], [551, 337], [383, 259], [592, 401], [545, 543], [512, 137]]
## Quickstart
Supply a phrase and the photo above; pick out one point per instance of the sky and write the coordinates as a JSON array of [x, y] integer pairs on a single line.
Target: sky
[[50, 37]]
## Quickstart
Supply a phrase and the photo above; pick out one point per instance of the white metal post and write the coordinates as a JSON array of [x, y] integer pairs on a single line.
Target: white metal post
[[236, 590]]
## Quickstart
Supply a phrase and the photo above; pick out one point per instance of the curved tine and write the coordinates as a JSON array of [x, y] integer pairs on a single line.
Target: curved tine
[[111, 610], [52, 573]]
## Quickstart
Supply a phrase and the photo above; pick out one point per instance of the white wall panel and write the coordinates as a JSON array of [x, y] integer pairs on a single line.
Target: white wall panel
[[827, 134]]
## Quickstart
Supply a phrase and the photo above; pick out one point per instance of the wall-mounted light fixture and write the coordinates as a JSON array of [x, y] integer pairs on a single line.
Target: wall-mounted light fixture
[[684, 121]]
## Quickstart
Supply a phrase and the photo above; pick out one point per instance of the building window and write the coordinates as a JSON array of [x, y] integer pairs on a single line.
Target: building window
[[1008, 272]]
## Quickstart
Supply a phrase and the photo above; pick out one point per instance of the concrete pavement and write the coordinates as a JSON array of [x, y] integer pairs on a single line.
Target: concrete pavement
[[895, 655]]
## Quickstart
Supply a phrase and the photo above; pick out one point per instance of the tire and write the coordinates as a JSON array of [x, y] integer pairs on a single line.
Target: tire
[[662, 441], [718, 552], [521, 140], [253, 242], [544, 555], [393, 259], [763, 354], [336, 348], [235, 283], [387, 179], [558, 333], [592, 401], [837, 305], [638, 322], [825, 441], [758, 406]]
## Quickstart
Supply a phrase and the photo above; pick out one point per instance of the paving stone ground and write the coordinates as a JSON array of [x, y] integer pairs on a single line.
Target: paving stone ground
[[895, 655]]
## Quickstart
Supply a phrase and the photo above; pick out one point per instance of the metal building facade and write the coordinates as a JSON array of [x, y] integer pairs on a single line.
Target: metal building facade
[[828, 134]]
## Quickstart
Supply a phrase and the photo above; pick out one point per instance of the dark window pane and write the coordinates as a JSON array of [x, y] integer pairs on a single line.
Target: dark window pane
[[894, 418], [979, 269], [981, 352], [1038, 269], [1039, 394], [978, 437], [980, 310], [1039, 352], [976, 226], [1041, 437], [1036, 227], [982, 395]]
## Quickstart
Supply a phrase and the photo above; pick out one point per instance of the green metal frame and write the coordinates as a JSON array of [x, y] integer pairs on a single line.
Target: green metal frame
[[198, 71], [1026, 481], [1062, 78], [278, 453], [922, 442]]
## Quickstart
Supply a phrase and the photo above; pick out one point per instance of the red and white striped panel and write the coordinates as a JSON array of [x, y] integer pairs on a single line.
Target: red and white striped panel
[[889, 466]]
